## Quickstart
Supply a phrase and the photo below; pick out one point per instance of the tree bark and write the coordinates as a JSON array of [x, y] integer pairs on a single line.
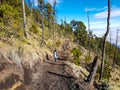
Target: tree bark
[[110, 46], [42, 42], [114, 60], [24, 18], [93, 71], [54, 20], [89, 33], [42, 10], [33, 3], [104, 42]]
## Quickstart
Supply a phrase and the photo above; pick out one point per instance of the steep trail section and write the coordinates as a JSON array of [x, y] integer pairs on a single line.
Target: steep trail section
[[54, 76], [51, 75]]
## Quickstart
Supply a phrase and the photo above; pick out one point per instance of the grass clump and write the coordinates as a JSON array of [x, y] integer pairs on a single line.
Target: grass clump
[[34, 29], [58, 43], [88, 58]]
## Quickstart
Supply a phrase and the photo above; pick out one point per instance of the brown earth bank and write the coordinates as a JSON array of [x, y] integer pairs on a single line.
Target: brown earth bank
[[44, 74]]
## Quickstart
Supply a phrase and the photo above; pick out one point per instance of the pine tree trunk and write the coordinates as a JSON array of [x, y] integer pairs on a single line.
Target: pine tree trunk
[[104, 42], [114, 60], [54, 20], [24, 18], [93, 71], [42, 42], [30, 5], [110, 46], [33, 3], [89, 33]]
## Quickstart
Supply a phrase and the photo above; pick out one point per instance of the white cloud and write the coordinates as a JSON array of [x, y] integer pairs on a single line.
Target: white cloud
[[51, 1], [115, 23], [97, 24], [99, 28], [115, 12], [95, 9], [113, 36], [102, 24], [90, 9], [104, 8], [35, 2], [101, 32]]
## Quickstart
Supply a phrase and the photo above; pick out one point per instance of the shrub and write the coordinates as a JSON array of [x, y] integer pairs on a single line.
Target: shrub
[[58, 43], [7, 13], [5, 31], [76, 55], [48, 33], [34, 29]]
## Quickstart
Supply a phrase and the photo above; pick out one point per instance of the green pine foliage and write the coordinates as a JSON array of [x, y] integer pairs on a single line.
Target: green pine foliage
[[8, 19], [76, 55], [11, 24]]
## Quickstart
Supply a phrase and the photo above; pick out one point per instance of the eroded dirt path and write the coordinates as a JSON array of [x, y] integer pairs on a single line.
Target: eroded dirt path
[[51, 75]]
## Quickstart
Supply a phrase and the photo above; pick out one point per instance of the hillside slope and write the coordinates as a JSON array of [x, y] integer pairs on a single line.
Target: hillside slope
[[28, 69]]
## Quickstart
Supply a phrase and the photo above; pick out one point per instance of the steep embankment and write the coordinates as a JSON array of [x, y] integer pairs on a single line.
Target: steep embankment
[[17, 61]]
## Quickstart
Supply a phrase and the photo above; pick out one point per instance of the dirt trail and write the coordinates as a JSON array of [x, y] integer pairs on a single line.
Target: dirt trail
[[51, 75]]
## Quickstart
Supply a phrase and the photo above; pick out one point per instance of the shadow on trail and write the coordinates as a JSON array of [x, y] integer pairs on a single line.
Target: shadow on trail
[[55, 63], [62, 59], [68, 77]]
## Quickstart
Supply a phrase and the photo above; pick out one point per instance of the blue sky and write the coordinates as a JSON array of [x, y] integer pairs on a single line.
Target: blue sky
[[76, 9]]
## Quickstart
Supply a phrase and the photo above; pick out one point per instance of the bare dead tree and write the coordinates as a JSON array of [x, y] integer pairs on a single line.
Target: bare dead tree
[[24, 18], [33, 3], [88, 32], [41, 7], [30, 5], [54, 21], [110, 46], [104, 41], [42, 25], [91, 76], [114, 60]]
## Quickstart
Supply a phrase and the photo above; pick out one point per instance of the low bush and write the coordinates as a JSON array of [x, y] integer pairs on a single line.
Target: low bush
[[58, 43], [34, 29], [76, 55]]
